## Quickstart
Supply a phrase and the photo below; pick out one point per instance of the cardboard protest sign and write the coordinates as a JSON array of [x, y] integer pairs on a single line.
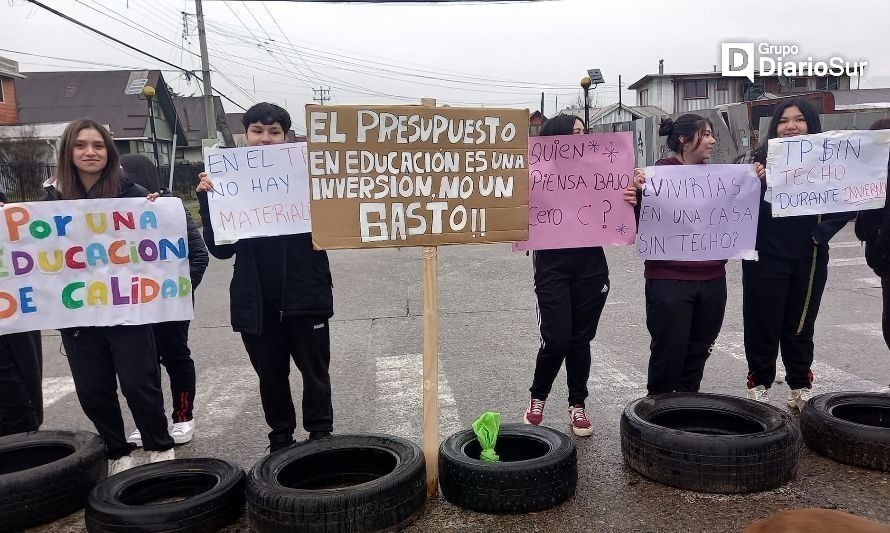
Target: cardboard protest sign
[[258, 191], [93, 263], [699, 212], [576, 191], [417, 176], [828, 172]]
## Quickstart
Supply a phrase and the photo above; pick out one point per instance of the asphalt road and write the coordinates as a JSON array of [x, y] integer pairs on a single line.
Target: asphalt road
[[488, 341]]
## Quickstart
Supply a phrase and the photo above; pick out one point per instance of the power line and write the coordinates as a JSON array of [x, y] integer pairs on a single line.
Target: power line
[[131, 47]]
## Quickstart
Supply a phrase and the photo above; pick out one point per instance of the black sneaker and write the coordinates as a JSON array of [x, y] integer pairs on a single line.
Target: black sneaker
[[280, 444], [315, 435]]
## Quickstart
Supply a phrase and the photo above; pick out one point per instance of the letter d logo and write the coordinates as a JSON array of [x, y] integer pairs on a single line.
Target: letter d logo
[[737, 60]]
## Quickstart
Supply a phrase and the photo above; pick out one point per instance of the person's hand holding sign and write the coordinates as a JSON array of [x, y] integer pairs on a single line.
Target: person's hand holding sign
[[204, 185], [630, 194], [761, 170]]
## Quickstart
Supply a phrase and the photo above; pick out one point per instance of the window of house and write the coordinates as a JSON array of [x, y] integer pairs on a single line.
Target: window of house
[[644, 97], [799, 83], [722, 85], [2, 99], [831, 83], [695, 89]]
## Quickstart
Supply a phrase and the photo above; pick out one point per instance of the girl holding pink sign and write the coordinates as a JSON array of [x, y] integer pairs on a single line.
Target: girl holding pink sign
[[571, 285]]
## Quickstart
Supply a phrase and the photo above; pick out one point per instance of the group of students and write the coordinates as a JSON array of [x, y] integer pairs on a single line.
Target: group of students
[[686, 300], [281, 300]]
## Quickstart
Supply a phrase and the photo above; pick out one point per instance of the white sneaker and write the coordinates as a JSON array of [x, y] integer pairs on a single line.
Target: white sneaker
[[157, 457], [116, 466], [135, 438], [798, 398], [182, 431], [759, 394]]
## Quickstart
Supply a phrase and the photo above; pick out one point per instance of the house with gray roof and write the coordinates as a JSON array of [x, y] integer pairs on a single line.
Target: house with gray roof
[[57, 97]]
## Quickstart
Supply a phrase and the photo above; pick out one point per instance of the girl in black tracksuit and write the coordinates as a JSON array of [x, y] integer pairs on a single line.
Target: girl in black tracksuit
[[171, 337], [281, 300], [685, 300], [782, 290], [89, 167], [873, 227], [571, 286]]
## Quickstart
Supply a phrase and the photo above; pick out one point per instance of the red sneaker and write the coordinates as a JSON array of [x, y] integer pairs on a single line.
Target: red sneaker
[[535, 412], [580, 424]]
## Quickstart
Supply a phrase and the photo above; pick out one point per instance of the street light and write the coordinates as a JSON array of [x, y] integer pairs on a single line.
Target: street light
[[594, 77], [149, 93], [585, 84]]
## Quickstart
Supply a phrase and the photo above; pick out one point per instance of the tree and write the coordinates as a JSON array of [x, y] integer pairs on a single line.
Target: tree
[[26, 148], [25, 163]]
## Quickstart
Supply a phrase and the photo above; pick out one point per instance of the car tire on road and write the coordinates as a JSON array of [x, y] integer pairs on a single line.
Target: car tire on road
[[340, 483], [849, 427], [538, 470], [710, 442], [45, 475], [183, 495]]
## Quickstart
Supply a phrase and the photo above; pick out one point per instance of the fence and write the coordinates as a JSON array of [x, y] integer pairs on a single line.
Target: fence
[[185, 178]]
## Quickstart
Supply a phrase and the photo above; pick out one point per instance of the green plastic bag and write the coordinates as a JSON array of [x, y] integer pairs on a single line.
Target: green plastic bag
[[486, 428]]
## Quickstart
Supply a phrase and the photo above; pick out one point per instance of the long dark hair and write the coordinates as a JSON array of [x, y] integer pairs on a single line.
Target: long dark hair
[[67, 179], [814, 124], [561, 124], [689, 126], [140, 170]]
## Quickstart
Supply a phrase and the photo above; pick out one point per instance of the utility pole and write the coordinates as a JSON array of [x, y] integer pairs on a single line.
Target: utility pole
[[619, 92], [322, 95], [205, 71]]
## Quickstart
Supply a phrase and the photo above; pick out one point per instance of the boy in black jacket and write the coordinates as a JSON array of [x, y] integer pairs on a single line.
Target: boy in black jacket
[[281, 299]]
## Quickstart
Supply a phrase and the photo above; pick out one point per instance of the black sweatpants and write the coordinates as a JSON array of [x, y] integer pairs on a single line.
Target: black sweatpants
[[307, 341], [172, 340], [781, 299], [569, 310], [99, 357], [684, 318], [21, 382]]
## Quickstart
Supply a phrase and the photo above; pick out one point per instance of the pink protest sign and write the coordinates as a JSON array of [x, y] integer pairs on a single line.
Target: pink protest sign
[[576, 191]]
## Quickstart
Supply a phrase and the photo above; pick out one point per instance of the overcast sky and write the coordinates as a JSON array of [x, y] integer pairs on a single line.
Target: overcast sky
[[468, 54]]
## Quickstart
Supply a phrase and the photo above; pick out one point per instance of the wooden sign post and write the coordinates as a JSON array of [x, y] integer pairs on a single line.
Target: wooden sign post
[[395, 176], [431, 359]]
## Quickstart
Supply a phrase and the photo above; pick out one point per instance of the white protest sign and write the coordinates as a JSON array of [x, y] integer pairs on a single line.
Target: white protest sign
[[258, 191], [93, 263], [699, 213], [828, 172]]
